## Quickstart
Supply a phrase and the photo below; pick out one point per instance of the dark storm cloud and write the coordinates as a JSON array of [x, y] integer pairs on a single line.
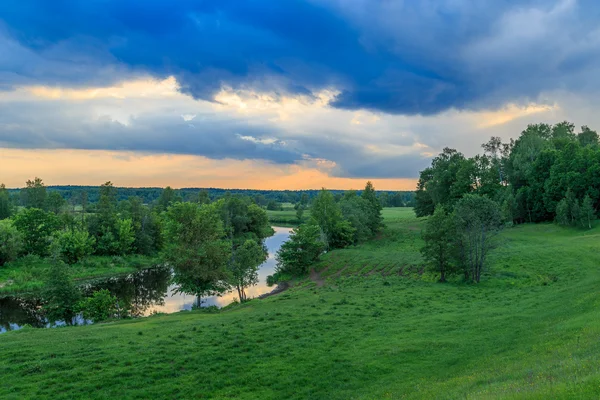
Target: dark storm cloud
[[399, 57]]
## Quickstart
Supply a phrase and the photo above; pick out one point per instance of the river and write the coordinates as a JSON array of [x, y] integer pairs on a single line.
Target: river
[[148, 291]]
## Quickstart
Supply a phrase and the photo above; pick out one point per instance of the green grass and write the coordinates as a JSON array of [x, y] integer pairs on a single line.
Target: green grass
[[27, 274], [381, 329], [286, 217]]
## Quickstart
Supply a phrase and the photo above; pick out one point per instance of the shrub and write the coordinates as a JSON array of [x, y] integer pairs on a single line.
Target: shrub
[[99, 307], [74, 245]]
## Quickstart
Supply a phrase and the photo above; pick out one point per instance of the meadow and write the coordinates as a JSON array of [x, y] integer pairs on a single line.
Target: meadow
[[369, 323]]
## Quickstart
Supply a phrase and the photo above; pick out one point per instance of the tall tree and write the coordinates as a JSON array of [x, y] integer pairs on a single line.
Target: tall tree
[[326, 213], [478, 221], [197, 249], [375, 221], [37, 227], [34, 194], [588, 214], [244, 266], [439, 238], [55, 202]]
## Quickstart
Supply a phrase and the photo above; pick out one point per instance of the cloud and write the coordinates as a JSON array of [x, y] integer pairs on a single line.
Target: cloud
[[395, 57]]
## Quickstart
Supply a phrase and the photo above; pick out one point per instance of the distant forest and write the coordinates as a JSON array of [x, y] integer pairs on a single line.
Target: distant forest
[[73, 195]]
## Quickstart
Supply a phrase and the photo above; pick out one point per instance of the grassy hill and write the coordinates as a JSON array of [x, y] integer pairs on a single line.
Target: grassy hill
[[370, 323]]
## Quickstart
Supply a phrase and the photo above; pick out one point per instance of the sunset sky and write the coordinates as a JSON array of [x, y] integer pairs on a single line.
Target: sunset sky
[[272, 94]]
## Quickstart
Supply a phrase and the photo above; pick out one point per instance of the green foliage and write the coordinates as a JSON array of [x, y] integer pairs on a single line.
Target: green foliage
[[99, 307], [301, 251], [196, 248], [587, 212], [568, 211], [126, 235], [167, 197], [60, 294], [375, 220], [74, 245], [272, 205], [478, 221], [326, 213], [55, 202], [5, 205], [11, 242], [439, 238], [34, 194], [37, 227], [244, 265]]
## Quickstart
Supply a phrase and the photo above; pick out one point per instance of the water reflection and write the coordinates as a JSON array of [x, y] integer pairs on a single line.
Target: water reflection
[[144, 292]]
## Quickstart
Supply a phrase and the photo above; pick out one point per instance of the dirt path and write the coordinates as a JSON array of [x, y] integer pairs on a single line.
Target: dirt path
[[281, 287], [316, 277]]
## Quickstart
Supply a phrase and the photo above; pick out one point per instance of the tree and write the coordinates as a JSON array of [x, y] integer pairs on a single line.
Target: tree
[[11, 242], [167, 197], [126, 236], [146, 227], [588, 213], [299, 212], [439, 241], [60, 295], [327, 214], [37, 227], [300, 251], [568, 211], [244, 266], [375, 220], [587, 137], [203, 197], [196, 248], [5, 206], [55, 202], [34, 194], [272, 205], [478, 221], [359, 213], [74, 245]]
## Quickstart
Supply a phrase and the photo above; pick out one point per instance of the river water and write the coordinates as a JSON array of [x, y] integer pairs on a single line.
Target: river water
[[148, 291]]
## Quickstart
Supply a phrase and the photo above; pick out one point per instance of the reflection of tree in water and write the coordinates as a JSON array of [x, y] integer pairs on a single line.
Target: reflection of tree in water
[[15, 312], [138, 291]]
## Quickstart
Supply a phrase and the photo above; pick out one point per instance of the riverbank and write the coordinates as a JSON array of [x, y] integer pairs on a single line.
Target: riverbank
[[26, 275]]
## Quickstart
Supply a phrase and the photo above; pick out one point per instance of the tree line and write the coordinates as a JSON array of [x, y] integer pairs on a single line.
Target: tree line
[[90, 195], [550, 173]]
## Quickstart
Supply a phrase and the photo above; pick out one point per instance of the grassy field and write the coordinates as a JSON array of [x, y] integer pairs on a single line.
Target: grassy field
[[287, 216], [27, 274], [369, 324]]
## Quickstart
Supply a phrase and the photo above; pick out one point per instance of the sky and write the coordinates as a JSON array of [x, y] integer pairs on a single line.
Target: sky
[[293, 94]]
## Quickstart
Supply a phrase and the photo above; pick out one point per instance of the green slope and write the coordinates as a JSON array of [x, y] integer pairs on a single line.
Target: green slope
[[377, 328]]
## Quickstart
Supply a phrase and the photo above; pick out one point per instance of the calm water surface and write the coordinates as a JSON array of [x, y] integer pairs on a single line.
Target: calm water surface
[[148, 291]]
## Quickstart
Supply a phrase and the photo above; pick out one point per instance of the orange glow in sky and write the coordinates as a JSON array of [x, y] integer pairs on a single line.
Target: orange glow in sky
[[90, 167]]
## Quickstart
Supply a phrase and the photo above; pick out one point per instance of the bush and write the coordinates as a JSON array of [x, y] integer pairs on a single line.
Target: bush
[[74, 245], [99, 307]]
